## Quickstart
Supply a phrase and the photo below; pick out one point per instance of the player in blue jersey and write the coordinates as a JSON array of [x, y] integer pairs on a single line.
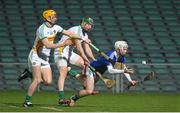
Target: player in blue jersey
[[101, 65]]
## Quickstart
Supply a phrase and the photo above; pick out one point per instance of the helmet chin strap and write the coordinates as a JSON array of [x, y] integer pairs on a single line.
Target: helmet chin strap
[[119, 52], [49, 24], [83, 30]]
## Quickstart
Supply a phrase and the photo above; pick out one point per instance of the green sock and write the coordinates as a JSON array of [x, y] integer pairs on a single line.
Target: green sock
[[28, 98], [61, 94], [73, 72]]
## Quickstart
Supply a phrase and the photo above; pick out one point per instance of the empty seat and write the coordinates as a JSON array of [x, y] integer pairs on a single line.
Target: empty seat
[[151, 28]]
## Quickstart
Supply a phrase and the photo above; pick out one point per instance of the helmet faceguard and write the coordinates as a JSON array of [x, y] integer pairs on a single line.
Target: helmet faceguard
[[87, 20], [121, 47], [48, 13]]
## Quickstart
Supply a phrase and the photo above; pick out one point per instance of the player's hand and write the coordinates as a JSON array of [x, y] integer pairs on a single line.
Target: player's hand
[[69, 42], [133, 82], [87, 41], [86, 61], [129, 70], [65, 42]]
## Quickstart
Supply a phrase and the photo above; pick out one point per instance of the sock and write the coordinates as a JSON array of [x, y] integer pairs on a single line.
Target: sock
[[73, 72], [61, 94], [28, 98]]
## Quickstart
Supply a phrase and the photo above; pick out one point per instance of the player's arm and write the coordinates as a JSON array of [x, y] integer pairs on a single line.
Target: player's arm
[[127, 75], [114, 71], [88, 50], [81, 51], [49, 45], [128, 70], [71, 34]]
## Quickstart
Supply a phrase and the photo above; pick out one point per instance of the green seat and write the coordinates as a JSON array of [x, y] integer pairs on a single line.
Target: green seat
[[168, 48], [22, 2], [158, 55], [173, 60], [172, 55], [38, 2], [127, 33], [136, 48], [176, 33], [8, 59], [143, 71], [176, 71], [114, 34], [169, 88], [139, 55], [142, 25], [153, 48], [149, 41], [161, 71], [87, 2], [157, 60], [133, 41], [150, 27], [165, 41], [5, 48], [5, 41], [145, 34], [140, 59]]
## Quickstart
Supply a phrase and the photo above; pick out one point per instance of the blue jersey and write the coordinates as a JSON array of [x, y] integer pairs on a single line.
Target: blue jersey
[[101, 64]]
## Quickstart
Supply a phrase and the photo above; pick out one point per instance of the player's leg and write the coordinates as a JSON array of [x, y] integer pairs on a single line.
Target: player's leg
[[76, 74], [61, 81], [61, 63], [36, 81], [88, 91], [89, 87], [76, 60], [27, 72], [46, 74], [34, 64]]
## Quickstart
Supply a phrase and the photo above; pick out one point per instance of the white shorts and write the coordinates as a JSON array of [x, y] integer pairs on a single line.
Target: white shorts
[[89, 73], [35, 60], [65, 56]]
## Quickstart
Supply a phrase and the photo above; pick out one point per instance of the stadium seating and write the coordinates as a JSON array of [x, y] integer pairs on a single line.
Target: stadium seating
[[151, 27]]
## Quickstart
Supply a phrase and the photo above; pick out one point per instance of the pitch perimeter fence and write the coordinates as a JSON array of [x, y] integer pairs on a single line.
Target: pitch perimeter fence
[[167, 78]]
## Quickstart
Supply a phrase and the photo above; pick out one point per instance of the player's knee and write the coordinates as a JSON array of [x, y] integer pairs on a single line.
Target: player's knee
[[63, 75], [89, 92], [81, 64], [48, 82], [37, 80]]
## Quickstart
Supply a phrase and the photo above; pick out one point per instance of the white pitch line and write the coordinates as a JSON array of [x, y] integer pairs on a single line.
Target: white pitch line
[[52, 108], [12, 106]]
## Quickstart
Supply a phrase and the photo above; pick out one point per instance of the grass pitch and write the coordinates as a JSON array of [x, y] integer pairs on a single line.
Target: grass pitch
[[11, 101]]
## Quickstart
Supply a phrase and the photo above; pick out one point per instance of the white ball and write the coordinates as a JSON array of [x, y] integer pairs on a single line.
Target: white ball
[[143, 62]]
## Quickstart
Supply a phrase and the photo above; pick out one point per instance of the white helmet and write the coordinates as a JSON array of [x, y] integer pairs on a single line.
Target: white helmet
[[120, 45]]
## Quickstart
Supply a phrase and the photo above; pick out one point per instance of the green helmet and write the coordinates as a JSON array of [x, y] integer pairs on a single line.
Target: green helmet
[[87, 20]]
